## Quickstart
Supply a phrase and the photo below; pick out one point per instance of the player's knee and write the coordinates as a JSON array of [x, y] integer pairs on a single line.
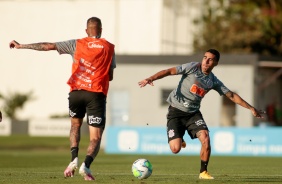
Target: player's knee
[[175, 149], [205, 140], [175, 145], [95, 140], [206, 144]]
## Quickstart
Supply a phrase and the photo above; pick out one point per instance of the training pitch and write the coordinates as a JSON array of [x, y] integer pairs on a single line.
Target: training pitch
[[33, 160]]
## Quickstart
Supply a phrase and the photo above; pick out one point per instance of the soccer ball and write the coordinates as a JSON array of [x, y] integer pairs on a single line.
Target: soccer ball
[[142, 168]]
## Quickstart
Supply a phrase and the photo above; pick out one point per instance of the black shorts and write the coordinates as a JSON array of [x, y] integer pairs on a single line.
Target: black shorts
[[179, 121], [93, 104]]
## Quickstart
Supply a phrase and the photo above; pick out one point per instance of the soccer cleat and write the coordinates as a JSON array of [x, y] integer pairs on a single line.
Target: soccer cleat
[[205, 175], [85, 172], [69, 172]]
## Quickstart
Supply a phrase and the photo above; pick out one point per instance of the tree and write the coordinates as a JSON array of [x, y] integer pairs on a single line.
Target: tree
[[13, 102], [245, 26]]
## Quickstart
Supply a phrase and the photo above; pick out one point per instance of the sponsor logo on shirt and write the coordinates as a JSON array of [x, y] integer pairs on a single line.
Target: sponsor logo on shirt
[[197, 90], [95, 45]]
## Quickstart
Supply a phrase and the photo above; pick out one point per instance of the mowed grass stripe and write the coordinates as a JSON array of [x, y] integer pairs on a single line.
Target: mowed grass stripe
[[128, 173], [31, 161]]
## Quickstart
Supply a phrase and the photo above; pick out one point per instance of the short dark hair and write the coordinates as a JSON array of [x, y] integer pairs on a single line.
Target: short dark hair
[[96, 20], [214, 52]]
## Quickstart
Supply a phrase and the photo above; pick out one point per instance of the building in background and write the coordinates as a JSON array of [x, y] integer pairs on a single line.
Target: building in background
[[149, 35], [255, 80], [141, 27]]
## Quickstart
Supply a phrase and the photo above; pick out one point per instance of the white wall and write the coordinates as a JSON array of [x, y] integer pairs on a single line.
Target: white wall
[[133, 26], [237, 78], [138, 26], [145, 103]]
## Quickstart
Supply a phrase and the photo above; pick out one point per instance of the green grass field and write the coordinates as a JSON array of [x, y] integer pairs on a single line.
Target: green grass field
[[30, 160]]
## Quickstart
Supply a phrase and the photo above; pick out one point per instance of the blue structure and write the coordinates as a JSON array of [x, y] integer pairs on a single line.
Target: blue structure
[[224, 141]]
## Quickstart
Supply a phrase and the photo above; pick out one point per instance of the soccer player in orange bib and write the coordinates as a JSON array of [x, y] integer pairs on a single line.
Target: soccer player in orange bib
[[92, 68]]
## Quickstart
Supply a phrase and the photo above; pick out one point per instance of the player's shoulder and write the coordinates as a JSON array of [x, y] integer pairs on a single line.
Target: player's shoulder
[[192, 64], [66, 41], [106, 41], [196, 64], [188, 68]]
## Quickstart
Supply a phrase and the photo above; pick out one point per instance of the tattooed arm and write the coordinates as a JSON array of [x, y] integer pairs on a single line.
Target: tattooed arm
[[158, 75], [43, 46], [240, 101]]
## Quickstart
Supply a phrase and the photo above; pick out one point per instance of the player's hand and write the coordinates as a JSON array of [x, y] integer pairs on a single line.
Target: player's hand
[[257, 113], [0, 116], [14, 44], [144, 82]]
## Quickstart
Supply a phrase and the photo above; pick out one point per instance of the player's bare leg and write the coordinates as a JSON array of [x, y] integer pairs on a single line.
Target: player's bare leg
[[75, 132], [175, 145], [92, 151], [74, 144], [204, 138], [95, 140]]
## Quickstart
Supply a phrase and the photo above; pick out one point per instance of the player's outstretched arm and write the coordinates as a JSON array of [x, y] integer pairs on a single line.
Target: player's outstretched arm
[[43, 46], [238, 100], [158, 75]]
